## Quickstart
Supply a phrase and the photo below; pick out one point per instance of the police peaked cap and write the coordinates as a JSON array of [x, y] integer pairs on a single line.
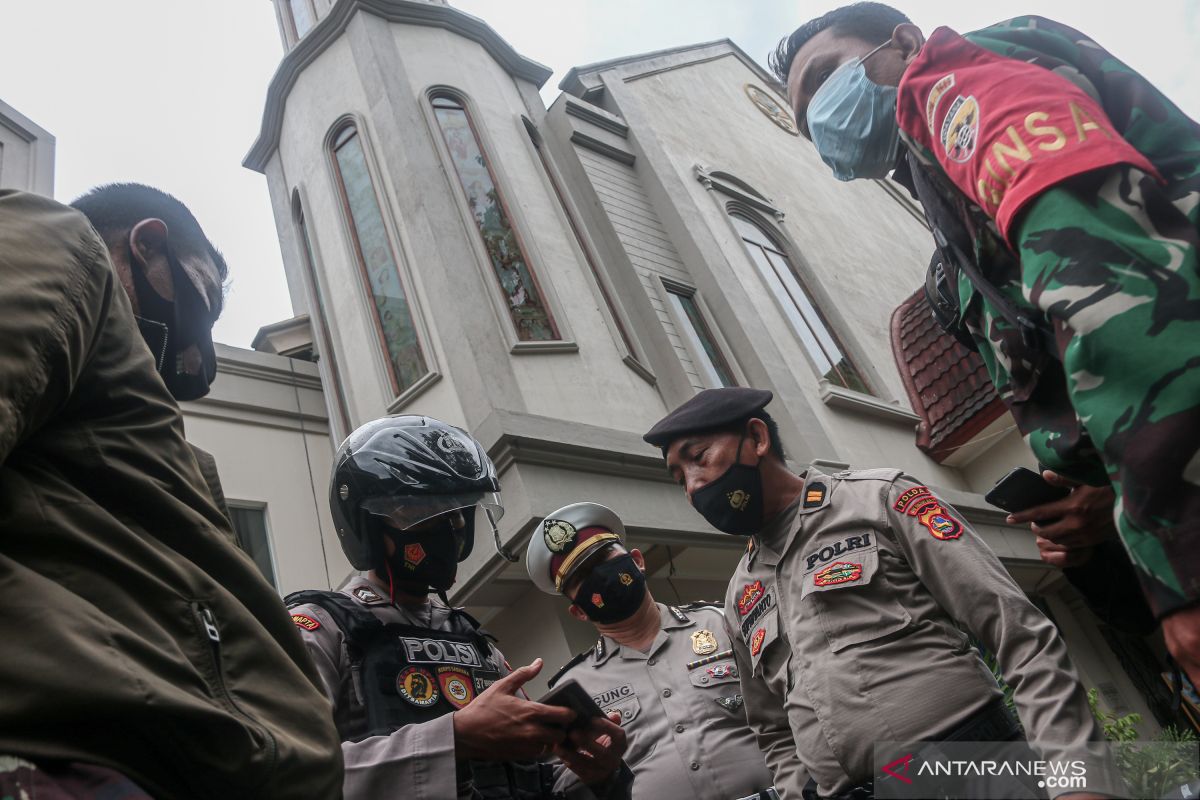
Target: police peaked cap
[[711, 408], [566, 539]]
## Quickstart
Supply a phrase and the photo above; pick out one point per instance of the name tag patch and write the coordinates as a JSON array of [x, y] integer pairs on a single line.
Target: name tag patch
[[614, 695], [764, 605], [435, 651]]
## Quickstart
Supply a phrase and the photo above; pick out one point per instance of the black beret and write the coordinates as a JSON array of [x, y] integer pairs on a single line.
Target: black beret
[[710, 408]]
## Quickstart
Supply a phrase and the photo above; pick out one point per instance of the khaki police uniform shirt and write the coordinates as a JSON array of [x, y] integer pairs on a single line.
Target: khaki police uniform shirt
[[417, 761], [681, 707], [843, 618]]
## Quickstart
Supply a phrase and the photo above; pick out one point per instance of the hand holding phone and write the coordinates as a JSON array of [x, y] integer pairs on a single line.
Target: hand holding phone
[[1023, 488], [569, 694]]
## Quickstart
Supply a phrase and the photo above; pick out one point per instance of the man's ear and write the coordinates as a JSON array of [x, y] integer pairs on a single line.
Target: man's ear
[[638, 559], [760, 436], [577, 613], [908, 40], [148, 243]]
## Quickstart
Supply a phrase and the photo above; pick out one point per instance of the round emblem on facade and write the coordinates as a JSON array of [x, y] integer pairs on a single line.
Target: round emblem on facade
[[768, 105], [559, 535], [417, 687]]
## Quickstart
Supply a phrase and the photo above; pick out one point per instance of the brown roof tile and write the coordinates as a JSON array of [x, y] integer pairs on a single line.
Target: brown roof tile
[[947, 383]]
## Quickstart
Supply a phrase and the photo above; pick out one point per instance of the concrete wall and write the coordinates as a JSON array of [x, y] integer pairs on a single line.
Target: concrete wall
[[264, 422], [26, 154]]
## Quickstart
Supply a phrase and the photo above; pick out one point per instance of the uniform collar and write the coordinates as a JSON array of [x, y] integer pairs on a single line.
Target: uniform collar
[[669, 618], [773, 540]]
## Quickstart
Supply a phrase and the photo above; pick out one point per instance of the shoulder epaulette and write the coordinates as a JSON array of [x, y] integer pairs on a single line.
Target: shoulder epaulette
[[719, 605], [882, 474], [565, 668]]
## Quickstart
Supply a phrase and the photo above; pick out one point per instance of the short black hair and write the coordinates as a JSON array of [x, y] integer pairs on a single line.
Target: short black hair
[[871, 22], [113, 210]]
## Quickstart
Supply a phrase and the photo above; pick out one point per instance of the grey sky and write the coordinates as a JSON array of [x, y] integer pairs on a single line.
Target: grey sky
[[170, 93]]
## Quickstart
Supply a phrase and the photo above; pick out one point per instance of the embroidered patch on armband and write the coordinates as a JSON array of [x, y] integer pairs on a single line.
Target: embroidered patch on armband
[[911, 496], [306, 622], [938, 521]]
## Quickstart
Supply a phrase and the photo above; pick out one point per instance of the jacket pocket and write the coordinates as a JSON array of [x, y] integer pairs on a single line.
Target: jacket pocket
[[854, 601]]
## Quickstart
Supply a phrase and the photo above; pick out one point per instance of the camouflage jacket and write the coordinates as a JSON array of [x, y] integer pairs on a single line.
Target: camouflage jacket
[[1079, 182]]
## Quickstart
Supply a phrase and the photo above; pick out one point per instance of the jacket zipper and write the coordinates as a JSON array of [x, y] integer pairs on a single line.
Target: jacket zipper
[[209, 621]]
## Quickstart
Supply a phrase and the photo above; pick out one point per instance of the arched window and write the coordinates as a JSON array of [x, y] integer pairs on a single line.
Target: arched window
[[815, 335], [522, 295], [320, 321], [373, 249], [302, 16]]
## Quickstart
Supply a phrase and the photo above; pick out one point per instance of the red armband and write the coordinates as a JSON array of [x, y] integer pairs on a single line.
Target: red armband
[[1004, 130]]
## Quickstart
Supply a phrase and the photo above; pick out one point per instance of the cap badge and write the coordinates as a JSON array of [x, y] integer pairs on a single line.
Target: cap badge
[[703, 642], [559, 535], [739, 499]]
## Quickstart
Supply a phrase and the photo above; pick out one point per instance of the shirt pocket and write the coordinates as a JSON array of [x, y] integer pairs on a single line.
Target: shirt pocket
[[853, 600], [620, 700]]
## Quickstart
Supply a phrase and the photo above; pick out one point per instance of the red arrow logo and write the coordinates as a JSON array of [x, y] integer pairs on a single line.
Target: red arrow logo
[[903, 763]]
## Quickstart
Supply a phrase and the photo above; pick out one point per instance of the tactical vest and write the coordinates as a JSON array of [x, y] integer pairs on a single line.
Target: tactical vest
[[412, 674]]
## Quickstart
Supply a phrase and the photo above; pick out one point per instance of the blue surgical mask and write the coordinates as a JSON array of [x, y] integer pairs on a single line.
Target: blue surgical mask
[[852, 121]]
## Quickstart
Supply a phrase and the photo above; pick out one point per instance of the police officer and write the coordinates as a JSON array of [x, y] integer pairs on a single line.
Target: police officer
[[425, 703], [845, 611], [668, 672]]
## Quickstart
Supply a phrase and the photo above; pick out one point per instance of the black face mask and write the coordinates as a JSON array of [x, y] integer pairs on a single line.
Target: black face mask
[[427, 560], [613, 591], [170, 328], [733, 503]]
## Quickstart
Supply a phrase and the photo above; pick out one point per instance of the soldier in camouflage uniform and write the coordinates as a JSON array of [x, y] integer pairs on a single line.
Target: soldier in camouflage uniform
[[1074, 185]]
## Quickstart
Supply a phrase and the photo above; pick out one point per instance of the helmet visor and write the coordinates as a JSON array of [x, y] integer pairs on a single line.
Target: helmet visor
[[404, 511]]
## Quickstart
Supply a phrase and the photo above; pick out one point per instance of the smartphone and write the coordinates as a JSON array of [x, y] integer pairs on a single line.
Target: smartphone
[[1023, 488], [569, 694]]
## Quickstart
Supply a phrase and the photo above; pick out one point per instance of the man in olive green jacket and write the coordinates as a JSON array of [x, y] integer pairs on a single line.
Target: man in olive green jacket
[[139, 642]]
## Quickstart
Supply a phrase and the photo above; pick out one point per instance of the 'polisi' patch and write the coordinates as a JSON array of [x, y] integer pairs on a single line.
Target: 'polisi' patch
[[306, 622], [838, 572]]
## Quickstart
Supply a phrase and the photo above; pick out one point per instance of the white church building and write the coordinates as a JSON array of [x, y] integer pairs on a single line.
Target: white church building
[[555, 280]]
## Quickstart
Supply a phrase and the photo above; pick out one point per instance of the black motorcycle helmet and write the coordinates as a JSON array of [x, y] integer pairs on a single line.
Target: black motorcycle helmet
[[396, 472]]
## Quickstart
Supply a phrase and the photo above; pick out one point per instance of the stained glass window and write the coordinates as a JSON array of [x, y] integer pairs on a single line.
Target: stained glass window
[[712, 363], [521, 293], [374, 251], [321, 322], [806, 319]]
